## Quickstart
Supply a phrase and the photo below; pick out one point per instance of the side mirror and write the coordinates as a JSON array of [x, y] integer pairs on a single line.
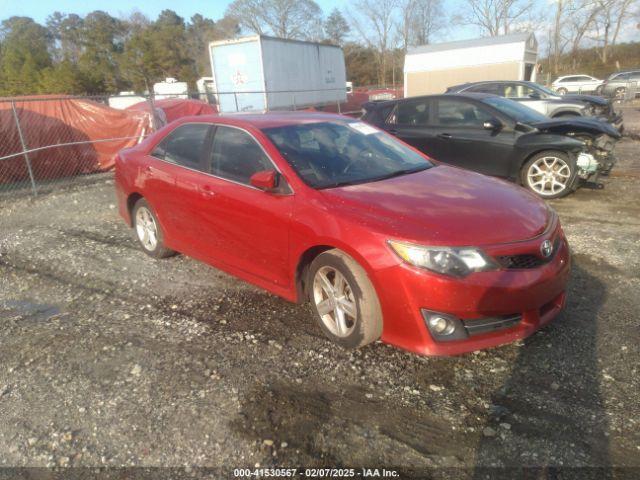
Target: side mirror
[[266, 180], [535, 95], [493, 124]]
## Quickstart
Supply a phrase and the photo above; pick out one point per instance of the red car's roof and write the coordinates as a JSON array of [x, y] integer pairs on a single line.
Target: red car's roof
[[269, 119]]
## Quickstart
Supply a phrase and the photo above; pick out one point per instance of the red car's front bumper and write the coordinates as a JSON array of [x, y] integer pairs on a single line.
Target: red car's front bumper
[[536, 294]]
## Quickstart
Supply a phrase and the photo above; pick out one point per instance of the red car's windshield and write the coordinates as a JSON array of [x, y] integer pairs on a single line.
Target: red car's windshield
[[335, 153]]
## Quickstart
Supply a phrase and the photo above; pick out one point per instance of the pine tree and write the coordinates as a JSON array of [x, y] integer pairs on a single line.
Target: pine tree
[[336, 28]]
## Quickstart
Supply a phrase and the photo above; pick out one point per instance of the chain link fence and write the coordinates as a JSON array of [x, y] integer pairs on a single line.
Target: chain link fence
[[630, 92], [48, 141]]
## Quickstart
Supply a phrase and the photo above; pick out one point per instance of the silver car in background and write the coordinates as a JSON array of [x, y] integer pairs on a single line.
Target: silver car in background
[[547, 102], [618, 84], [576, 84]]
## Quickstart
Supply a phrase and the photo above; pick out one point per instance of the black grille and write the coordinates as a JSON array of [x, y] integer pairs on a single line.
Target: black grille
[[527, 260], [484, 325], [521, 261]]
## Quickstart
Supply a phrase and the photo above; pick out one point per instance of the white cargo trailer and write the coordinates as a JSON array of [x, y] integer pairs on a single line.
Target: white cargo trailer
[[266, 73], [170, 88]]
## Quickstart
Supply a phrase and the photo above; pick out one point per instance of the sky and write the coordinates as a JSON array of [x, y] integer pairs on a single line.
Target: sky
[[40, 9]]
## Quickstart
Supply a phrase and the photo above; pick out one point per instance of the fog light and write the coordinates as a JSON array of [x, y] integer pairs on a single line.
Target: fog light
[[444, 327], [441, 325]]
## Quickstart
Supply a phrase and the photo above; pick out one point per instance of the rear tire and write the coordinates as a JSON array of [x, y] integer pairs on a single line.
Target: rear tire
[[148, 230], [549, 174], [344, 300]]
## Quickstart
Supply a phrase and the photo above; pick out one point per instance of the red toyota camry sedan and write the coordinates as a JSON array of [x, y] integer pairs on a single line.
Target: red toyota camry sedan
[[384, 242]]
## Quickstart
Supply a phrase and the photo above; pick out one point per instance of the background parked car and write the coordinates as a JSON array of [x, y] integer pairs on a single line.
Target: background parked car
[[466, 130], [576, 84], [599, 137], [618, 83], [546, 101]]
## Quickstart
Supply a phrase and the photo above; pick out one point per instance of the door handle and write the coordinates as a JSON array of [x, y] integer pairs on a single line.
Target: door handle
[[444, 136], [207, 191]]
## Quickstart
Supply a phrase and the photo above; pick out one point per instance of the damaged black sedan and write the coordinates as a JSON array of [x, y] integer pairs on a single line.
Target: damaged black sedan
[[497, 136], [598, 136]]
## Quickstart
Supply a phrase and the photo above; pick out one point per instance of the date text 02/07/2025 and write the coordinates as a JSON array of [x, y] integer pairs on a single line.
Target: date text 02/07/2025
[[315, 473]]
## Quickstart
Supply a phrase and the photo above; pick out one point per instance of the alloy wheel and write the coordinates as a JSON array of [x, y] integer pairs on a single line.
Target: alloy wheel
[[146, 229], [620, 92], [335, 301], [549, 175]]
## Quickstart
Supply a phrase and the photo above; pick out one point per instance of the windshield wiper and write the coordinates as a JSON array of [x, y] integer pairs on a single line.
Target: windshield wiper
[[397, 173]]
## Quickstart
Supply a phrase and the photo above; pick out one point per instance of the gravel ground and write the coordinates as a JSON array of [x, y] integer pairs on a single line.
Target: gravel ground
[[110, 358]]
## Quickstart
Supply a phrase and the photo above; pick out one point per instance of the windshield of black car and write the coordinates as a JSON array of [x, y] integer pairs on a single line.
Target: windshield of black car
[[334, 153], [517, 111]]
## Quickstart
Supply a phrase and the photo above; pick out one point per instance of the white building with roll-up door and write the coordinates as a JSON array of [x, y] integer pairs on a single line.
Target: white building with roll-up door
[[433, 68]]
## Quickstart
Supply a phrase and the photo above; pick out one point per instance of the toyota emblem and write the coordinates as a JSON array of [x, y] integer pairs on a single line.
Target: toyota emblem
[[546, 248]]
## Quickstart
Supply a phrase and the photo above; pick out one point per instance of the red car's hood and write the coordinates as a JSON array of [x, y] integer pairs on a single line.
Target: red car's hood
[[444, 206]]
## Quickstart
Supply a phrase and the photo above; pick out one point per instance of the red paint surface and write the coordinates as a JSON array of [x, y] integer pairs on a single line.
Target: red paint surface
[[261, 237]]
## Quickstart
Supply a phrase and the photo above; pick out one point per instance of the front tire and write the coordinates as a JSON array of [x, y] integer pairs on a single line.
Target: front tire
[[148, 230], [620, 93], [562, 91], [549, 174], [344, 300]]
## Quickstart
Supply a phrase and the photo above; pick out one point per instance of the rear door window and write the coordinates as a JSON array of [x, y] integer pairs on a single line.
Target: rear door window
[[412, 113], [184, 146], [458, 113], [518, 91], [493, 88]]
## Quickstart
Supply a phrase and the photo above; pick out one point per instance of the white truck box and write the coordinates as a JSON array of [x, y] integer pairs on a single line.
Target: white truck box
[[265, 73]]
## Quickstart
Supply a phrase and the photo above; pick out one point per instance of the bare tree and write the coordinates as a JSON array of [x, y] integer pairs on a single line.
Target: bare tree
[[404, 30], [375, 22], [428, 20], [611, 16], [420, 21], [578, 22], [556, 46], [572, 20], [301, 19], [496, 17]]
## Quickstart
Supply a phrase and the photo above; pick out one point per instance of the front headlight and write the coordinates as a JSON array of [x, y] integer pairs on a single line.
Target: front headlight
[[587, 163], [457, 262]]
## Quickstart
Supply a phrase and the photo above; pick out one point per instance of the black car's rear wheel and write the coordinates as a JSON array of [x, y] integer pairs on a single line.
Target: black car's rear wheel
[[549, 174]]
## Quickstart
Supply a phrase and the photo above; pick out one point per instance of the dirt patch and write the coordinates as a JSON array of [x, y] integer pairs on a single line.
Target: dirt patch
[[110, 358]]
